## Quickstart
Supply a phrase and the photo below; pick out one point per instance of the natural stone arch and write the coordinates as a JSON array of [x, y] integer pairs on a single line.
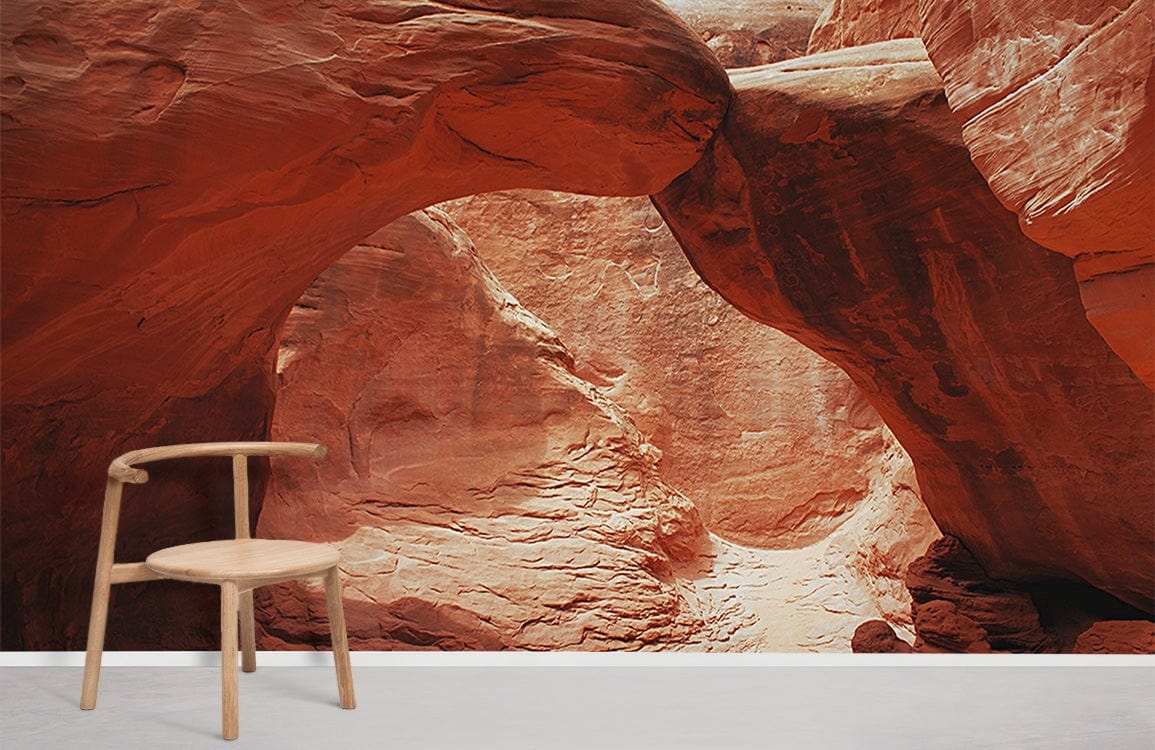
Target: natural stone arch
[[174, 178], [838, 203]]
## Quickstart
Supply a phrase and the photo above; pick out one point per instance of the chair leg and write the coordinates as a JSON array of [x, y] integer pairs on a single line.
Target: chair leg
[[229, 606], [96, 625], [340, 639], [248, 633]]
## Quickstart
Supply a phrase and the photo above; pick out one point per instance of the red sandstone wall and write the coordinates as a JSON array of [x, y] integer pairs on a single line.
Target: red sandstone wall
[[174, 178], [838, 203], [1054, 99]]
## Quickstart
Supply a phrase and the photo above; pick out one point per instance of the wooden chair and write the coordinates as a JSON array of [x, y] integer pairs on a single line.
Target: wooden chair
[[236, 565]]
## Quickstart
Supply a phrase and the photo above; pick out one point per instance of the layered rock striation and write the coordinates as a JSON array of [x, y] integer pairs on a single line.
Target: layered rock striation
[[838, 204], [959, 608], [1055, 103], [1062, 125]]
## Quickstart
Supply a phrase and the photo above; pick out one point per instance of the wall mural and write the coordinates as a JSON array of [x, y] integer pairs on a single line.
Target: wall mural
[[870, 369]]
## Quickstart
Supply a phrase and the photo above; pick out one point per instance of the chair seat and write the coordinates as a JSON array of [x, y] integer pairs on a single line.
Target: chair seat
[[243, 559]]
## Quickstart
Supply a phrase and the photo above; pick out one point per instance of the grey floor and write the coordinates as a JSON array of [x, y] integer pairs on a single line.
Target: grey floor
[[592, 707]]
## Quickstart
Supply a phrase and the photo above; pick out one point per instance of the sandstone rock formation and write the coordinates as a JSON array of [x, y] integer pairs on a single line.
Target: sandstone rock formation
[[1118, 637], [942, 628], [888, 529], [1055, 98], [773, 444], [485, 496], [175, 177], [1055, 101], [877, 637], [742, 33], [838, 204], [959, 608], [482, 494], [853, 23]]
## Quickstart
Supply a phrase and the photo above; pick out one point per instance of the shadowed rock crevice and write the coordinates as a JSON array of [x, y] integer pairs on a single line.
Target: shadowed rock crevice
[[1054, 98]]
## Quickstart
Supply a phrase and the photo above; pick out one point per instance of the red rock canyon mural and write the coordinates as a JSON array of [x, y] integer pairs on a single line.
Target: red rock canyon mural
[[736, 326]]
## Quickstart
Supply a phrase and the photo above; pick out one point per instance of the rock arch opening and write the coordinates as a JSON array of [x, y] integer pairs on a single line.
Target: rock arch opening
[[154, 240], [485, 461]]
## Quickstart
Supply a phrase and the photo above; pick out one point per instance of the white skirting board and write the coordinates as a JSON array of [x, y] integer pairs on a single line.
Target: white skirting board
[[647, 659]]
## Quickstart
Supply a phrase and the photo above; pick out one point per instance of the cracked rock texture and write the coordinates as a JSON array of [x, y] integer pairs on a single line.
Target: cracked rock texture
[[175, 177], [774, 444], [838, 203], [1055, 101], [486, 496], [853, 23], [482, 494]]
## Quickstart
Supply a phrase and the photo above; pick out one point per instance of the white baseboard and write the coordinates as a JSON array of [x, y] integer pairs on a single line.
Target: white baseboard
[[572, 659]]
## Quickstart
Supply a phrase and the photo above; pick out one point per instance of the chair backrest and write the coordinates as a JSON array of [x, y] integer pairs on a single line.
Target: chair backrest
[[123, 470]]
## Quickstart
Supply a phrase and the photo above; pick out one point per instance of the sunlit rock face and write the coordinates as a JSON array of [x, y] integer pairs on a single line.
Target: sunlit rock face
[[742, 33], [853, 23], [482, 494], [485, 495], [175, 177], [838, 204], [774, 444], [1054, 99]]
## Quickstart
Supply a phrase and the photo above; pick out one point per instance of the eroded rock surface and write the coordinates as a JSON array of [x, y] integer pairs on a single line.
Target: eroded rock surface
[[877, 637], [486, 496], [1055, 98], [773, 444], [1117, 637], [482, 494], [959, 608], [1055, 101], [838, 204], [853, 23], [175, 177]]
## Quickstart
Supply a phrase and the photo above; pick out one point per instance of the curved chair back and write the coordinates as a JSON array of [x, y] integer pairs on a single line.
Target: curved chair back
[[236, 587], [123, 470]]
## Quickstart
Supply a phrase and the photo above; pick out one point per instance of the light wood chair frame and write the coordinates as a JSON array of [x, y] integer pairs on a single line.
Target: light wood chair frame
[[236, 593]]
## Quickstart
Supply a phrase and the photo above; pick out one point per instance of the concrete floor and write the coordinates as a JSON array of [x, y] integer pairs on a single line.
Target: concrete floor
[[592, 707]]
